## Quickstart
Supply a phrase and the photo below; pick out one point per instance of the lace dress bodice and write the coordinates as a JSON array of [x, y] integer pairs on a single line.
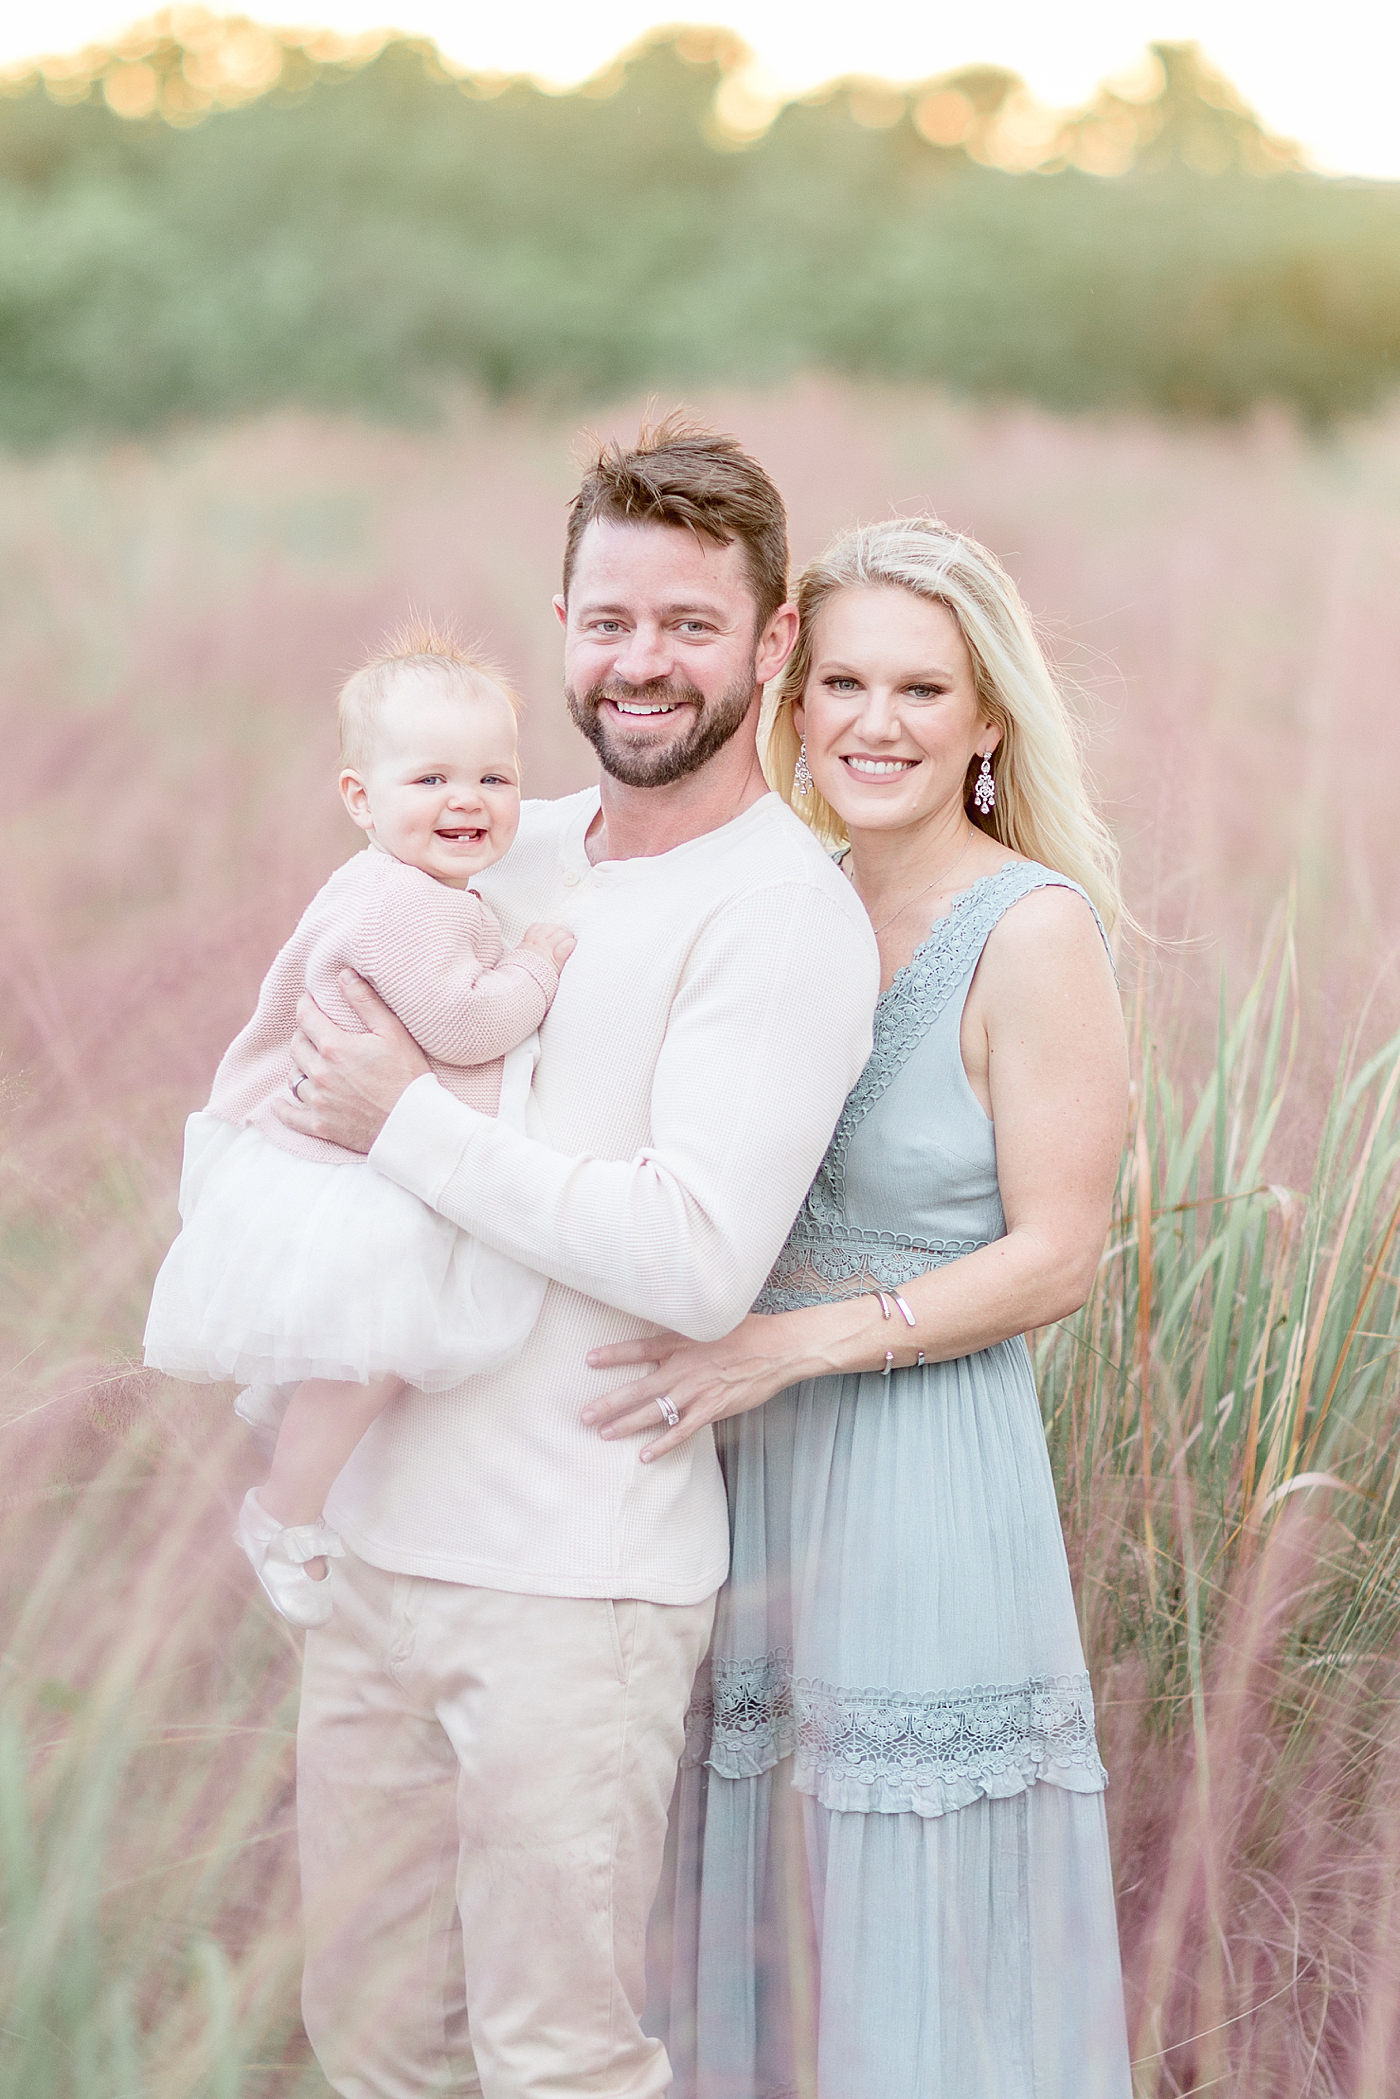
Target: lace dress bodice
[[909, 1180]]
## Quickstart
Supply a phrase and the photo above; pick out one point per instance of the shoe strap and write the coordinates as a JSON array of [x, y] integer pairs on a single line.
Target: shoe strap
[[307, 1541]]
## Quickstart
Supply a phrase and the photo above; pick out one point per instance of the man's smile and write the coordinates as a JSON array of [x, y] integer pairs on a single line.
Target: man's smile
[[641, 710]]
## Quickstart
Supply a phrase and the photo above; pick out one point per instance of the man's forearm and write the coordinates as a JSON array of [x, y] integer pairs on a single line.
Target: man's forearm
[[759, 1052], [665, 1240]]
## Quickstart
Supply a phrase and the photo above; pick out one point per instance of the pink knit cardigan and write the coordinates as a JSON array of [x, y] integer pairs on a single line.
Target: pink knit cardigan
[[434, 954]]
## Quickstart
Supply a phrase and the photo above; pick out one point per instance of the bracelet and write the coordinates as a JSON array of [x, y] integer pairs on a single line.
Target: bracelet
[[894, 1297], [905, 1314]]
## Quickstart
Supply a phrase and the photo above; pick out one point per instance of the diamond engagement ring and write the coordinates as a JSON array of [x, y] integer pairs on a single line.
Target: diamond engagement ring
[[670, 1412]]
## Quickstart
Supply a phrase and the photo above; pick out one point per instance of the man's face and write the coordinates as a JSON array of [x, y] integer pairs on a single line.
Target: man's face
[[662, 658]]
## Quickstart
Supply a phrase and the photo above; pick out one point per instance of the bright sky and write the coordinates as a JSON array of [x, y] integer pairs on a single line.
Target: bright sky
[[1325, 76]]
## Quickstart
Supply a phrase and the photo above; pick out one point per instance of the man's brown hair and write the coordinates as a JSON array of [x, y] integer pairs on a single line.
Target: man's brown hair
[[679, 472]]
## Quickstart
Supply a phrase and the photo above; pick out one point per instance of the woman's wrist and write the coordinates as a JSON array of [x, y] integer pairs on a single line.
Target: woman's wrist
[[851, 1335]]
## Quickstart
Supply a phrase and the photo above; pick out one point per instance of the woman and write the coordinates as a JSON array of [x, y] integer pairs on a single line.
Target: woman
[[890, 1850]]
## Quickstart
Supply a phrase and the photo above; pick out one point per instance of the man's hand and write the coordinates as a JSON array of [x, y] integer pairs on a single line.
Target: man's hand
[[349, 1082], [555, 943]]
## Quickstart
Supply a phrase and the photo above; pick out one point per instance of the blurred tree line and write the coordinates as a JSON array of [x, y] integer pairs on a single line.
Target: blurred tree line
[[209, 217]]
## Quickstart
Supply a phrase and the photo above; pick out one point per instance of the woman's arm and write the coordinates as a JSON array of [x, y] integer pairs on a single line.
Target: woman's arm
[[1044, 1009]]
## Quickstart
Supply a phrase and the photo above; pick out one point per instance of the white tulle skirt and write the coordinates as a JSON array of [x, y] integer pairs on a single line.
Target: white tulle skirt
[[288, 1269]]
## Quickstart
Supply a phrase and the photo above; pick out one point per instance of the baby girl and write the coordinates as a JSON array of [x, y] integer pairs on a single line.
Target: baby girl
[[298, 1266]]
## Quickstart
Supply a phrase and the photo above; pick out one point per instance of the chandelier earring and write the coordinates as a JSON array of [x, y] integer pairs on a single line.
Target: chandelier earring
[[984, 792], [802, 774]]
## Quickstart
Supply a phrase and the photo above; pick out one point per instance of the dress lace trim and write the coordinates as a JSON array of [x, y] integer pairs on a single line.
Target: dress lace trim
[[825, 1262], [913, 1002], [893, 1752], [824, 1256]]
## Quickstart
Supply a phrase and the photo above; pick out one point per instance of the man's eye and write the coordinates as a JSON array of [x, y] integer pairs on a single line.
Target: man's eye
[[696, 626], [607, 626]]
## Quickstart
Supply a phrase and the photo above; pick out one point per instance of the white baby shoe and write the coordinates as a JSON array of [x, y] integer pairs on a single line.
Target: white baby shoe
[[278, 1556]]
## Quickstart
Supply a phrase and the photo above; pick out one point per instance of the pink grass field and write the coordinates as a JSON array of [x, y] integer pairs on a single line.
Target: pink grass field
[[177, 618]]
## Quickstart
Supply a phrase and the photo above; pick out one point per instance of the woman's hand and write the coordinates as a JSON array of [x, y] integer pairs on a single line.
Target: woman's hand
[[349, 1083], [704, 1381]]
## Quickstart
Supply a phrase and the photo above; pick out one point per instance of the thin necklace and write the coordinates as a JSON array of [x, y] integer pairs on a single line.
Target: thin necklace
[[941, 876]]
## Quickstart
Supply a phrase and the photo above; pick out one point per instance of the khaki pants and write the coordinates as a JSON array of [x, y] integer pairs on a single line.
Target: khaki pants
[[482, 1788]]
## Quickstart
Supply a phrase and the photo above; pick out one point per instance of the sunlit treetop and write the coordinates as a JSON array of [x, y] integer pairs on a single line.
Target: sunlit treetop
[[185, 64]]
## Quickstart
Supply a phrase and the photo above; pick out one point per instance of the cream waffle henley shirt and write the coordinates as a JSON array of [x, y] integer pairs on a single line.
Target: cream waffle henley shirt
[[708, 1027]]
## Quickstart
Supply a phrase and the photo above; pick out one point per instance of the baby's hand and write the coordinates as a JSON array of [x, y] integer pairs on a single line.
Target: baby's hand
[[555, 943]]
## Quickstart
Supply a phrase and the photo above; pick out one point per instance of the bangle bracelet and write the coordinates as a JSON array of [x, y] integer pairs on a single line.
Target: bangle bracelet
[[893, 1298], [905, 1314]]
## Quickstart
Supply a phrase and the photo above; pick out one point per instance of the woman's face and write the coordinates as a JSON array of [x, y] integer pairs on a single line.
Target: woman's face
[[890, 709]]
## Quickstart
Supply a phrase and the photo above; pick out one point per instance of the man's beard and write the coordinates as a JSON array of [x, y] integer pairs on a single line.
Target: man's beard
[[639, 764]]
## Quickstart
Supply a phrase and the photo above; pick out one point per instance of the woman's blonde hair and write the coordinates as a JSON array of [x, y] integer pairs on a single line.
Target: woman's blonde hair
[[1042, 808]]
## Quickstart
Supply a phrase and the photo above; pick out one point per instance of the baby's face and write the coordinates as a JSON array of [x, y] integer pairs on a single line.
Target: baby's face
[[441, 790]]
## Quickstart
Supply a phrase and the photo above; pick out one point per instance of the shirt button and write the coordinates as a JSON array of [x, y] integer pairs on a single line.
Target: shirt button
[[570, 879]]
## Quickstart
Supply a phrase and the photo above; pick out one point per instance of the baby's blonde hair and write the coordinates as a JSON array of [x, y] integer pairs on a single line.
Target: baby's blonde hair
[[421, 645], [1043, 809]]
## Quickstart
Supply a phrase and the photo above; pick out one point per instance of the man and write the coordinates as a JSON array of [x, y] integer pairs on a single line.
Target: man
[[492, 1721]]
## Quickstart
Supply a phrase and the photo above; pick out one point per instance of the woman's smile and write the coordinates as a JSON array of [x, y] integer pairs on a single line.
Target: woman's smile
[[877, 768]]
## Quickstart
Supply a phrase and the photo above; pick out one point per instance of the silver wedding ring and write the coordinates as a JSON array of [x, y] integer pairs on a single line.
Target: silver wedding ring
[[296, 1082], [670, 1412]]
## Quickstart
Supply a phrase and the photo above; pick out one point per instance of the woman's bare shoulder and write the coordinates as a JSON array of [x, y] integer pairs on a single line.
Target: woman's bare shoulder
[[1052, 933], [1056, 905]]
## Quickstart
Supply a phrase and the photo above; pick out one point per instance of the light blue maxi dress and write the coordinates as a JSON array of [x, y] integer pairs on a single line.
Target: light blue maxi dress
[[888, 1873]]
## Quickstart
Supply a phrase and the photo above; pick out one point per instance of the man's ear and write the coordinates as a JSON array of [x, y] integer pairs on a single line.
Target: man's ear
[[561, 611], [776, 644], [355, 796]]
